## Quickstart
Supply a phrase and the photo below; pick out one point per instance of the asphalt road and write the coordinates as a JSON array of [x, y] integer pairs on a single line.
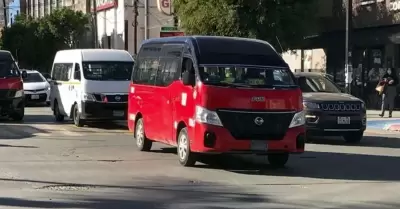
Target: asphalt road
[[48, 165]]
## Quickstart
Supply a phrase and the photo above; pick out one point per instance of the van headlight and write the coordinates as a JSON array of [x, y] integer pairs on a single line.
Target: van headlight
[[19, 93], [299, 119], [207, 116], [88, 97]]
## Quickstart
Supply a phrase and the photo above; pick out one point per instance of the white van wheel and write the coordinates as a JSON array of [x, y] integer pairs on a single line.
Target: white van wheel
[[56, 111], [77, 117]]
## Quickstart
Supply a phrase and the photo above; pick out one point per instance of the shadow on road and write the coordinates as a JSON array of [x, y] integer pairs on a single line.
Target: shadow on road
[[320, 165], [368, 141], [18, 131], [174, 194], [16, 146]]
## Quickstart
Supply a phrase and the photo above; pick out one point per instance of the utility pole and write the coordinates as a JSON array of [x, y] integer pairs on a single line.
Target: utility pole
[[96, 45], [146, 19], [348, 46], [5, 13], [135, 24]]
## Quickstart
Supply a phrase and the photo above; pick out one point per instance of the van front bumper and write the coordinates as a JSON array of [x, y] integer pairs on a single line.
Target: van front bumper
[[215, 139], [103, 111]]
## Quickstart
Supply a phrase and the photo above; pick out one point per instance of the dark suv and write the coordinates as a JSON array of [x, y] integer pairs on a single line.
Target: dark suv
[[329, 111]]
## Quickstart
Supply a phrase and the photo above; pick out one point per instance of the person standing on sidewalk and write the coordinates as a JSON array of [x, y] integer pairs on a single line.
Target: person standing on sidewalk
[[389, 92]]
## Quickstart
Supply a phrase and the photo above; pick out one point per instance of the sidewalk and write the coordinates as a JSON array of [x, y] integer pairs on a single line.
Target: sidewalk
[[374, 121]]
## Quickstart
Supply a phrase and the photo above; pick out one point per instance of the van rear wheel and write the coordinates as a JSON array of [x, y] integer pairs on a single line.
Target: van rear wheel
[[77, 117], [56, 112], [186, 157], [142, 142]]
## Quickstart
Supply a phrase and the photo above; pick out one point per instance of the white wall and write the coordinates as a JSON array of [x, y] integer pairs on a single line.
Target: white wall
[[156, 19], [314, 60], [106, 23]]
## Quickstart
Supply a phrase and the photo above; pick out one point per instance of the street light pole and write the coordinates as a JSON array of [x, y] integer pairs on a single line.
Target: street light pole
[[348, 46]]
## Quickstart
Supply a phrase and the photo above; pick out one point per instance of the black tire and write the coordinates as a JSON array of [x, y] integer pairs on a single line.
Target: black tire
[[353, 137], [18, 115], [56, 112], [48, 104], [142, 142], [76, 116], [185, 156], [278, 160]]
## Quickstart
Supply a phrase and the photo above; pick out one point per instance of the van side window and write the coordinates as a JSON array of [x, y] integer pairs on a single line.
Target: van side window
[[61, 71], [170, 65], [147, 64], [147, 71]]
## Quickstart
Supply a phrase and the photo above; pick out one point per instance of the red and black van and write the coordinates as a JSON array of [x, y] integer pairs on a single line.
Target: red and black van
[[211, 95], [12, 99]]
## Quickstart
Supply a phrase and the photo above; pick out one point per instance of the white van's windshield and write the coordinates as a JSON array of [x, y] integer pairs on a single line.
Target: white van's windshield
[[107, 71], [253, 77]]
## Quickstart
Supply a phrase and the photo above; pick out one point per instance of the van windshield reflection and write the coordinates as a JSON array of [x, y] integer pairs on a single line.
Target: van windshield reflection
[[250, 77], [107, 71]]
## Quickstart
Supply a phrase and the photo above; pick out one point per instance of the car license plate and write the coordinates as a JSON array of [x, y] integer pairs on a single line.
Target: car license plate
[[118, 113], [343, 120], [34, 96], [259, 145]]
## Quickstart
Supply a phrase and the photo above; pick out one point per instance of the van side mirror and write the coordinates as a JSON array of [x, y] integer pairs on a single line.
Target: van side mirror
[[24, 74], [48, 80], [188, 79], [77, 75]]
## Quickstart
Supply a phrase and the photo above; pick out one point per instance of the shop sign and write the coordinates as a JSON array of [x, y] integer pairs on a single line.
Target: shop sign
[[165, 7], [106, 4]]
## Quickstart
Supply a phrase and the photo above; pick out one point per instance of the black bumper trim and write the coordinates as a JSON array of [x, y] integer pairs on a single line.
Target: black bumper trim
[[104, 111]]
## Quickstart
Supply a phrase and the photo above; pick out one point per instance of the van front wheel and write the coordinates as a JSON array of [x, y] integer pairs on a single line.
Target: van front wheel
[[186, 157], [77, 117], [56, 111]]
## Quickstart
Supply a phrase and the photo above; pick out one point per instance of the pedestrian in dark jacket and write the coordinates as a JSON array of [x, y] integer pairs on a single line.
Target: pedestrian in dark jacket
[[389, 94]]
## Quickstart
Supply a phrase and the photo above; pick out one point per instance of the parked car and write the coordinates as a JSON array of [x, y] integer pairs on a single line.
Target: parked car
[[12, 98], [330, 111], [36, 88]]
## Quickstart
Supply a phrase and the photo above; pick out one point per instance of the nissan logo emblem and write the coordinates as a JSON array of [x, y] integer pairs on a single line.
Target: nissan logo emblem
[[117, 98], [259, 121]]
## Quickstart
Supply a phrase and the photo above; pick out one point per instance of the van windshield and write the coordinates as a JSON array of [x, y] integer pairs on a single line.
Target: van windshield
[[107, 71], [8, 69], [253, 77]]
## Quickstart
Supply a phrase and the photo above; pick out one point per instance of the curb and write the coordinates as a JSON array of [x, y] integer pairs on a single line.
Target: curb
[[392, 127]]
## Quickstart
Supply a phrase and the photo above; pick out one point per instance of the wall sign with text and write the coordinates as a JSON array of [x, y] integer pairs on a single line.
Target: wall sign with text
[[106, 4], [165, 7]]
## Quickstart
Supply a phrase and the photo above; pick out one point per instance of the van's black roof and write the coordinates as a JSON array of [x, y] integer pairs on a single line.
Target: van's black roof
[[228, 50]]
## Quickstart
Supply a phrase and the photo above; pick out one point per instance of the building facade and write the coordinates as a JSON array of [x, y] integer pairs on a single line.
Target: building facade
[[374, 42], [40, 8], [116, 25]]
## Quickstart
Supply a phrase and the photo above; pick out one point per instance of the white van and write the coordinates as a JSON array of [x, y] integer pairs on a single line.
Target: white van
[[90, 85]]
